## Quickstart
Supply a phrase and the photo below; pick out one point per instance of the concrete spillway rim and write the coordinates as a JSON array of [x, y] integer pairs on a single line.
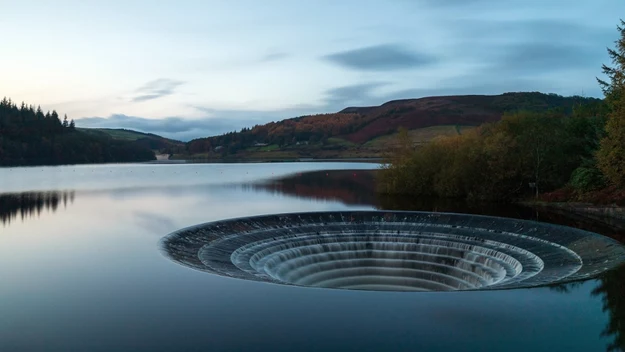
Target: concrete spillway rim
[[381, 214]]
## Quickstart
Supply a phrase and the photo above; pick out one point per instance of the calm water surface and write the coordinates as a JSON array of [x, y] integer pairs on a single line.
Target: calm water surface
[[81, 270]]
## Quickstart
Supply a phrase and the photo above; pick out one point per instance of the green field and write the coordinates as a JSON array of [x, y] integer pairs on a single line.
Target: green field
[[340, 142], [419, 136], [122, 134]]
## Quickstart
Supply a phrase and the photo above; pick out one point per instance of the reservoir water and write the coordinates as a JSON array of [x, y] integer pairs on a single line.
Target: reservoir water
[[81, 270]]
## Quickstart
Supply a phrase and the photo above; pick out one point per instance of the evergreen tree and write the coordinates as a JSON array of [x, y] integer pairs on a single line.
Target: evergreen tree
[[30, 137], [611, 155]]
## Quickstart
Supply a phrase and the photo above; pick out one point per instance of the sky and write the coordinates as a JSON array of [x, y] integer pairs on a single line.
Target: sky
[[193, 68]]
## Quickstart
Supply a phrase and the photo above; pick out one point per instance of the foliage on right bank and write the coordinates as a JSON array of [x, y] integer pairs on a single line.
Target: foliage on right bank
[[524, 153]]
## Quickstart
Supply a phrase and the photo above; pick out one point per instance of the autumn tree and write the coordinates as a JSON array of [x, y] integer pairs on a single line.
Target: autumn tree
[[611, 155]]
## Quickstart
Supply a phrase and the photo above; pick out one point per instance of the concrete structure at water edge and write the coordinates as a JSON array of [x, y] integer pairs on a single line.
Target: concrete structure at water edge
[[394, 251]]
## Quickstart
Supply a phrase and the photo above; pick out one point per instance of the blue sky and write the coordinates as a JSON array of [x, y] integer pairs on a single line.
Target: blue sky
[[192, 68]]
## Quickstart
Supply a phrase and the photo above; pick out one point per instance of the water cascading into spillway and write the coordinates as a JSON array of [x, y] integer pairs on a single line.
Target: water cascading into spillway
[[393, 251]]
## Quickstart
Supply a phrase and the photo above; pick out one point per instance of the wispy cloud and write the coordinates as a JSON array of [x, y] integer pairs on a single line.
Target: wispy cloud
[[274, 56], [156, 89], [385, 57], [361, 94], [179, 128]]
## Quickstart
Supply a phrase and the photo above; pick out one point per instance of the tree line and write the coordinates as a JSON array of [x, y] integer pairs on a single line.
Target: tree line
[[28, 136], [524, 153], [317, 129], [314, 129]]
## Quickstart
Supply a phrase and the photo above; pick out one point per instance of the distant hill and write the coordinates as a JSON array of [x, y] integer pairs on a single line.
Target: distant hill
[[28, 136], [367, 131], [151, 141], [467, 110]]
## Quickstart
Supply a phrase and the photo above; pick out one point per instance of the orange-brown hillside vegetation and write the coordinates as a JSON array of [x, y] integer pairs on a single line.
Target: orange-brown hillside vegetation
[[355, 126]]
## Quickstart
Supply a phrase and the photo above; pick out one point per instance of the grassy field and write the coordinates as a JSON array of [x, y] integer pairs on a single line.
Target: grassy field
[[119, 134], [127, 135], [419, 136], [340, 142], [124, 134]]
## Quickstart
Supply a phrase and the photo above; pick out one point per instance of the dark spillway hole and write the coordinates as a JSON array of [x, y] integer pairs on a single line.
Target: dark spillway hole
[[388, 262], [398, 251]]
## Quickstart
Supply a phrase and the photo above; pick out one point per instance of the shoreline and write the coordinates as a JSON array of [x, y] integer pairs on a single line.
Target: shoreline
[[612, 215], [277, 160]]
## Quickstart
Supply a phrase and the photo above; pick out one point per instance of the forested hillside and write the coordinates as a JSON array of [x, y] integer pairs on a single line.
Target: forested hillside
[[581, 155], [151, 141], [28, 136], [357, 128]]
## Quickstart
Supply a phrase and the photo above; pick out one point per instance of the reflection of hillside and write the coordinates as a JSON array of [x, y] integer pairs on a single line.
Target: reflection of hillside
[[357, 187], [352, 187], [502, 210], [31, 204]]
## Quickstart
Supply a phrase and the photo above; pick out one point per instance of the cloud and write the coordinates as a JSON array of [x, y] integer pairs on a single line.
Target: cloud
[[215, 123], [455, 3], [156, 89], [275, 56], [491, 36], [536, 57], [219, 121], [385, 57], [171, 127], [494, 56], [351, 95], [474, 84]]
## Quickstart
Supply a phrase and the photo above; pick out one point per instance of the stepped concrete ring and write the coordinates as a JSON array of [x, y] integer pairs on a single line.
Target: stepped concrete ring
[[394, 251]]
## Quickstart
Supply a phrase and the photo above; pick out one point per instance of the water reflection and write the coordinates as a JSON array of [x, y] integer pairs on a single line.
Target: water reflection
[[69, 276], [31, 204], [359, 188], [351, 187], [611, 290]]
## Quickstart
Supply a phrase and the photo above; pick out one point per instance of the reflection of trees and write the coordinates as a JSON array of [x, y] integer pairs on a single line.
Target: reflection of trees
[[344, 187], [449, 205], [30, 204], [611, 289], [354, 187], [357, 187], [611, 286], [567, 287]]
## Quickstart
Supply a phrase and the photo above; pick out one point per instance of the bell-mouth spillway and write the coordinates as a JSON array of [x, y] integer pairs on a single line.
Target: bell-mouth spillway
[[394, 251]]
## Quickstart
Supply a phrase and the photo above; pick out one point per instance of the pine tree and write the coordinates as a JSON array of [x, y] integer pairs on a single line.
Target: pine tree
[[611, 154], [72, 125], [65, 122]]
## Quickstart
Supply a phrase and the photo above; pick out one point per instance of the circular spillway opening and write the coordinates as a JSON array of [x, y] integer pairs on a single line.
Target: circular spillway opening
[[393, 251]]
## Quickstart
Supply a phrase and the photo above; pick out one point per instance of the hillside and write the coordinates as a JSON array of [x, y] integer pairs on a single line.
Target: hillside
[[151, 141], [368, 131], [28, 136]]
